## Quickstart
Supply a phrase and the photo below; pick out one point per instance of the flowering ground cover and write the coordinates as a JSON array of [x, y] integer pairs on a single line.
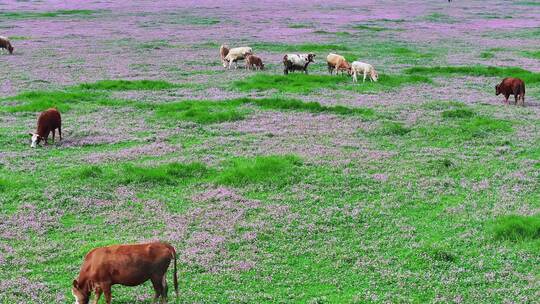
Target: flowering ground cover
[[422, 187]]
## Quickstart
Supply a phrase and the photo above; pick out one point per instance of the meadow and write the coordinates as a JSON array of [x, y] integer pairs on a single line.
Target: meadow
[[420, 188]]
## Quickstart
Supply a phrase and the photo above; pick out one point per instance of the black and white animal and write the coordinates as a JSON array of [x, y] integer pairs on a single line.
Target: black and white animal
[[297, 62]]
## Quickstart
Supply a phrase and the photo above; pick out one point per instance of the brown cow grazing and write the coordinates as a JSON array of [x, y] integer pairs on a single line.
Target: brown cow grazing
[[6, 44], [337, 63], [128, 265], [48, 121], [254, 62], [511, 86]]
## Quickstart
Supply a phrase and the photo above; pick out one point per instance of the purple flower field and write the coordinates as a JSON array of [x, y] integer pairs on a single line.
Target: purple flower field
[[420, 188]]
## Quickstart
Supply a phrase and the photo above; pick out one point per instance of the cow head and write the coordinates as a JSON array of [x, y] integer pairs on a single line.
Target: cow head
[[374, 75], [36, 138], [82, 295], [497, 90], [311, 57], [225, 62], [10, 49]]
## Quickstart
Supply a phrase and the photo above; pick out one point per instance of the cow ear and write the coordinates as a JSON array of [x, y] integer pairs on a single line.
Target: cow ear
[[75, 284]]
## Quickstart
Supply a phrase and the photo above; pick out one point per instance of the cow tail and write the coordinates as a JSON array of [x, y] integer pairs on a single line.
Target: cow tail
[[175, 278]]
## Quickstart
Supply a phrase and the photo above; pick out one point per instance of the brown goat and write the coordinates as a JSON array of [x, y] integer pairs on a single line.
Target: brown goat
[[6, 44], [254, 62], [48, 122], [511, 86]]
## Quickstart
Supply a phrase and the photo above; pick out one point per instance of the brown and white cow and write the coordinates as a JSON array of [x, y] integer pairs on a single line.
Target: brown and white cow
[[511, 86], [128, 265], [236, 54], [48, 121]]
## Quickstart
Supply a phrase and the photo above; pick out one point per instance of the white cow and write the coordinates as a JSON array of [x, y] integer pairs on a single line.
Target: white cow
[[293, 62], [236, 54], [363, 68]]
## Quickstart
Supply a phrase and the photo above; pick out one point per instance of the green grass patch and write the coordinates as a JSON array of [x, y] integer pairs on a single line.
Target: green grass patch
[[314, 107], [128, 85], [302, 83], [64, 100], [35, 101], [155, 45], [292, 83], [478, 70], [438, 17], [517, 228], [51, 14], [202, 112], [371, 28], [300, 25], [209, 111], [172, 173], [487, 55], [393, 128], [275, 170], [15, 38], [86, 172], [528, 3], [395, 52], [458, 113], [532, 54], [461, 130]]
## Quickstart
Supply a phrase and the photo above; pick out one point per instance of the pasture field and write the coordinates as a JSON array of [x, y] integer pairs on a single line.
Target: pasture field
[[420, 188]]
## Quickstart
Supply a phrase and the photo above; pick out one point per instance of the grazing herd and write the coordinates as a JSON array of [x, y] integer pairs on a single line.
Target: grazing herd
[[133, 265]]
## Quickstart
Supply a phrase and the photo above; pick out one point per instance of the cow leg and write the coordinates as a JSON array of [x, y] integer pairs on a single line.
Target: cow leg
[[523, 99], [60, 132], [365, 74], [107, 292], [165, 292], [53, 133], [354, 78], [97, 292], [158, 288]]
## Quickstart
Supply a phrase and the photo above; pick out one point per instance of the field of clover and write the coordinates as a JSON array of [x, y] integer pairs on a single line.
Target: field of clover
[[421, 187]]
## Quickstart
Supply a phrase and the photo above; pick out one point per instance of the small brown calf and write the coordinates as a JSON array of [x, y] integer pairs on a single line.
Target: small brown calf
[[254, 62]]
